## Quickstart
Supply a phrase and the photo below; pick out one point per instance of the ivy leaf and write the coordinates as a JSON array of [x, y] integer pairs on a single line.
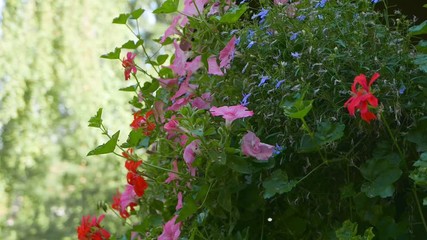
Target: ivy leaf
[[96, 120], [107, 147], [122, 18], [233, 14], [132, 45], [131, 88], [162, 59], [381, 173], [348, 231], [277, 183], [169, 6], [189, 208], [136, 13], [418, 29], [328, 132], [298, 109], [133, 139], [112, 55]]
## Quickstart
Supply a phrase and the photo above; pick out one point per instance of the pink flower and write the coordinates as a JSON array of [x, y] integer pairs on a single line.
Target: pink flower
[[178, 65], [227, 54], [179, 103], [190, 9], [179, 204], [184, 88], [171, 230], [128, 197], [168, 83], [203, 102], [172, 176], [171, 126], [194, 65], [191, 150], [213, 67], [252, 147], [171, 30], [129, 65], [231, 113]]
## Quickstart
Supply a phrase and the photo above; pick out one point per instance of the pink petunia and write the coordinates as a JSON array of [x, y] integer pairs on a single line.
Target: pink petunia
[[178, 104], [227, 54], [128, 197], [184, 88], [178, 65], [213, 67], [171, 30], [191, 150], [231, 113], [191, 9], [179, 204], [171, 230], [203, 102], [194, 65], [252, 147], [168, 83], [173, 176], [171, 126]]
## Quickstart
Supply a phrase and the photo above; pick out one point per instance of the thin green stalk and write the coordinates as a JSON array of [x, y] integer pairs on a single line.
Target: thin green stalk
[[420, 210]]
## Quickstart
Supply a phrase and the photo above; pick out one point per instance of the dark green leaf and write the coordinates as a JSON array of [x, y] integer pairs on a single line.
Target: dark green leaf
[[233, 14], [112, 55], [189, 208], [328, 132], [122, 18], [277, 183], [144, 143], [418, 135], [107, 147], [133, 139], [422, 46], [421, 61], [348, 231], [96, 120], [239, 164], [308, 144], [169, 6], [136, 13], [224, 200]]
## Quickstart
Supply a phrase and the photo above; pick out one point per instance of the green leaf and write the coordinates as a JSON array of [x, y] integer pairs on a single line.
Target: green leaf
[[239, 164], [224, 200], [418, 29], [421, 61], [381, 173], [328, 132], [189, 208], [133, 139], [422, 46], [298, 109], [96, 120], [418, 135], [131, 88], [132, 45], [107, 147], [348, 231], [122, 18], [308, 144], [162, 59], [169, 6], [150, 87], [112, 55], [136, 13], [419, 174], [277, 183], [233, 14]]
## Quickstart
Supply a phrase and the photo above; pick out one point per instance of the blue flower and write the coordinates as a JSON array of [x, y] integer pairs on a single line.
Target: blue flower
[[294, 36], [278, 149], [375, 1], [321, 4], [296, 54], [279, 83], [301, 18], [402, 89], [251, 43], [244, 101], [263, 80], [320, 16], [261, 15], [251, 33]]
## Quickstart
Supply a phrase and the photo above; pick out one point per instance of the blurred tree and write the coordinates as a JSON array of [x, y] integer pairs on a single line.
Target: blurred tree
[[51, 82]]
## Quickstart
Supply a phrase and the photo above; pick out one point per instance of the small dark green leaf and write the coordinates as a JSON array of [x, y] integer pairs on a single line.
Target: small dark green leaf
[[96, 120], [277, 183], [144, 143], [418, 135], [328, 132], [122, 18], [131, 88], [233, 14], [169, 6], [136, 13], [162, 59], [112, 55], [150, 87], [107, 147], [133, 139]]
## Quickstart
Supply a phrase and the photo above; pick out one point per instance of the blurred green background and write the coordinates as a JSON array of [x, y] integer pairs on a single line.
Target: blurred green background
[[51, 82]]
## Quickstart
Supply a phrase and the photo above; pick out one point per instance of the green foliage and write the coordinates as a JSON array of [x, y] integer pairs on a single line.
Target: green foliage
[[348, 231], [169, 6], [107, 147], [277, 183]]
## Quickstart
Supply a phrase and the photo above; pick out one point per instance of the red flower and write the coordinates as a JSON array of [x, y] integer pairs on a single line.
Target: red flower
[[362, 97], [91, 229], [140, 121], [131, 165], [129, 64]]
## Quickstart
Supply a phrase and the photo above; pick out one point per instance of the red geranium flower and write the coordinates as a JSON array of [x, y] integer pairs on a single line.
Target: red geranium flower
[[91, 229], [362, 97], [129, 64], [140, 121]]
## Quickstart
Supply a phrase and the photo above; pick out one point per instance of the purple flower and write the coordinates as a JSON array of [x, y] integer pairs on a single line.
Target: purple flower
[[244, 101], [262, 14], [251, 43], [279, 83], [402, 89], [375, 1], [263, 80], [278, 149], [296, 54], [251, 33]]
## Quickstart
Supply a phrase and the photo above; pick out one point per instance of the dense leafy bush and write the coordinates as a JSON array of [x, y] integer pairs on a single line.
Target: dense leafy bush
[[302, 120]]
